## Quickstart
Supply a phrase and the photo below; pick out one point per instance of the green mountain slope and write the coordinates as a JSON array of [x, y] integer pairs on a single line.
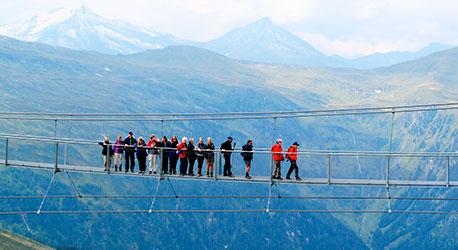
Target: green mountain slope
[[16, 242], [35, 77]]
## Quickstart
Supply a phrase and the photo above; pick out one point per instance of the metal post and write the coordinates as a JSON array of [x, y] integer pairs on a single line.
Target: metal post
[[56, 162], [65, 153], [215, 173], [447, 171], [160, 163], [108, 166], [219, 162], [329, 169], [55, 128], [6, 152], [390, 149], [271, 176], [388, 171]]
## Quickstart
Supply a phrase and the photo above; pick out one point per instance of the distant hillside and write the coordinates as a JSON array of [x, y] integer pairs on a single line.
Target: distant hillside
[[37, 77], [395, 57], [16, 242]]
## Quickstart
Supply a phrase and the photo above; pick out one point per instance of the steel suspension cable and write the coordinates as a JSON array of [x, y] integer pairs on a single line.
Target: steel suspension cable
[[178, 211], [228, 113], [234, 117], [13, 197]]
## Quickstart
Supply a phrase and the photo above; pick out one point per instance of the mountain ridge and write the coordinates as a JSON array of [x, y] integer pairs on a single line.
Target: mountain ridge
[[260, 41]]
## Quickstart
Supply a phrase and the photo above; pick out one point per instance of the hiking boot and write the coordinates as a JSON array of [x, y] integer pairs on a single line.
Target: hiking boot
[[298, 178], [116, 168], [247, 176], [289, 178], [154, 172], [151, 172], [279, 178]]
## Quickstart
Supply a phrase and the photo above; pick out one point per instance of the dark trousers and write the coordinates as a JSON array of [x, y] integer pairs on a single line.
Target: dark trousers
[[191, 165], [183, 165], [165, 163], [200, 164], [277, 170], [291, 168], [130, 160], [142, 162], [227, 165], [173, 164]]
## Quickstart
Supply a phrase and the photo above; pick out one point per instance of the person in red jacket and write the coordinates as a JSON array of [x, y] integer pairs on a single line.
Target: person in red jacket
[[277, 154], [291, 155], [182, 149]]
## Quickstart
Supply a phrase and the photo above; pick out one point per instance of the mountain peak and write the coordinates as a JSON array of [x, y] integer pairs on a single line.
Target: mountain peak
[[263, 21], [263, 41], [78, 27]]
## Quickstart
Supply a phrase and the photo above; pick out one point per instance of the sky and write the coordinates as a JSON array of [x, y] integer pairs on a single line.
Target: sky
[[348, 28]]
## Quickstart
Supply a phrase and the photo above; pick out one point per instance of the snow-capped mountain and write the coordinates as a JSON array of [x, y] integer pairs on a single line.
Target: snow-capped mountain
[[263, 41], [82, 29]]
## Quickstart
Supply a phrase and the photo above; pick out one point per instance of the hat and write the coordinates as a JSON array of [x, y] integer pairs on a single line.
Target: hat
[[131, 133], [295, 143], [229, 138]]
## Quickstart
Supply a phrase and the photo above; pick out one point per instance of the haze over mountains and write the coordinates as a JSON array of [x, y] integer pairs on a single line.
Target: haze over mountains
[[261, 41]]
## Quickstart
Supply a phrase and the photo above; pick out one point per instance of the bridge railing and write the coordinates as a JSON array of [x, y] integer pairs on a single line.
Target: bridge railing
[[315, 166]]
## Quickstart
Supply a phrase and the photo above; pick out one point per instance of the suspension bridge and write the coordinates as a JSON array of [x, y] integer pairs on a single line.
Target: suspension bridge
[[330, 160]]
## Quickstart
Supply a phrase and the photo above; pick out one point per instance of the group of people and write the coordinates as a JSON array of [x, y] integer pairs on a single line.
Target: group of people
[[187, 152]]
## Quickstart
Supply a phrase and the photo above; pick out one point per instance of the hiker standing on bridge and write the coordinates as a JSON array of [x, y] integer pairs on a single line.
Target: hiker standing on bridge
[[106, 144], [118, 151], [164, 155], [130, 143], [173, 156], [200, 153], [182, 149], [141, 155], [291, 155], [277, 154], [191, 156], [153, 154], [247, 155], [226, 149], [210, 155]]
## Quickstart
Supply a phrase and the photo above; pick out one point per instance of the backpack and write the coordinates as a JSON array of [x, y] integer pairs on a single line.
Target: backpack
[[289, 151], [244, 154]]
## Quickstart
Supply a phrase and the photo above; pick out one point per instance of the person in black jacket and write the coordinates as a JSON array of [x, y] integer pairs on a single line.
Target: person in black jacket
[[141, 155], [210, 156], [226, 149], [130, 143], [247, 154], [192, 157], [164, 155], [106, 160], [172, 154], [200, 154]]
